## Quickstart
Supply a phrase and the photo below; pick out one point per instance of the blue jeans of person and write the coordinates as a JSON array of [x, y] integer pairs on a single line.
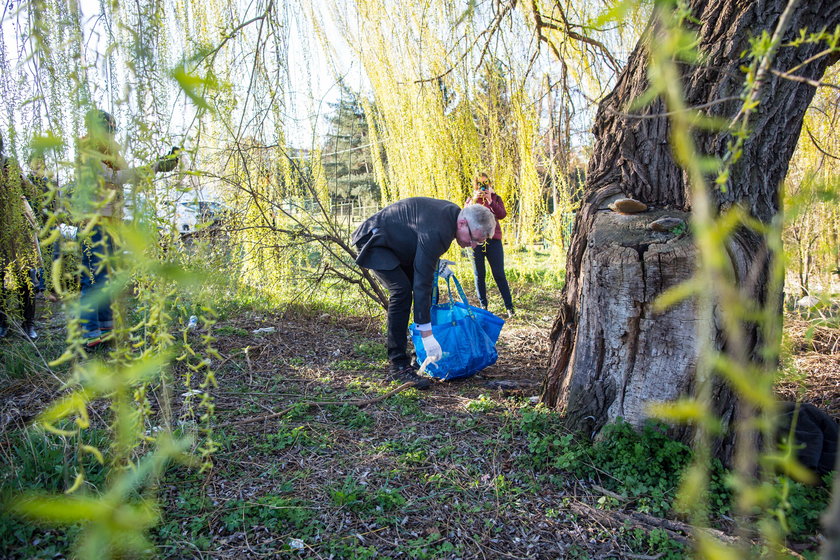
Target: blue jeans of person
[[494, 252], [40, 279], [96, 313]]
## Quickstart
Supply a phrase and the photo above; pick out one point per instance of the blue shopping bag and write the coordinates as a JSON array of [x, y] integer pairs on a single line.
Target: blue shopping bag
[[490, 322], [463, 336]]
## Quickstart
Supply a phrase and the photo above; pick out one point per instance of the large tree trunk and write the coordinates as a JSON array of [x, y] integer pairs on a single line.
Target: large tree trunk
[[611, 354]]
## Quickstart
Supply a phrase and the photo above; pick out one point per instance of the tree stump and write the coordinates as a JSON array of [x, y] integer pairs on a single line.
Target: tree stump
[[632, 354]]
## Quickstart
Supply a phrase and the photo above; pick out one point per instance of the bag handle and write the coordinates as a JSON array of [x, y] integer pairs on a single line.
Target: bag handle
[[458, 288], [436, 294]]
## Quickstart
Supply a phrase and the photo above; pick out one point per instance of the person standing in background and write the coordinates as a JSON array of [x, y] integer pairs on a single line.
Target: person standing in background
[[492, 250], [43, 206], [101, 173], [19, 250]]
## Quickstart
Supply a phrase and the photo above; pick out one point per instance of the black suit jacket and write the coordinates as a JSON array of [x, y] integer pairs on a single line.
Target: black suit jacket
[[412, 233]]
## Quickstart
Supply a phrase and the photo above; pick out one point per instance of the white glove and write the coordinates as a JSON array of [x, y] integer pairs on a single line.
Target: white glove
[[432, 348], [443, 269]]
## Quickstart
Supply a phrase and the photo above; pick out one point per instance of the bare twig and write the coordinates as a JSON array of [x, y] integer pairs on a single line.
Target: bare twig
[[671, 113], [802, 80], [764, 64], [489, 32], [562, 25], [816, 145]]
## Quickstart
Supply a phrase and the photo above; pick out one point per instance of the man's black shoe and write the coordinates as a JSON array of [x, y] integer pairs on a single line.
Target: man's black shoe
[[407, 374]]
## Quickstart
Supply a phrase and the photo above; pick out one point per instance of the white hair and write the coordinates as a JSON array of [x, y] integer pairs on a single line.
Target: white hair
[[480, 219]]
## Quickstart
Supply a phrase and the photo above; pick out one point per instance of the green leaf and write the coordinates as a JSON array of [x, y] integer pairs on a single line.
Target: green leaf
[[677, 294], [644, 99], [686, 411], [41, 143], [707, 122], [74, 403], [617, 13], [787, 464], [193, 85], [710, 547], [709, 164], [750, 383], [61, 510]]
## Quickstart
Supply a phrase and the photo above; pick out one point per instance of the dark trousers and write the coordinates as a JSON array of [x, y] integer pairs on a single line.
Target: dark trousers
[[96, 298], [495, 254], [27, 301], [400, 285]]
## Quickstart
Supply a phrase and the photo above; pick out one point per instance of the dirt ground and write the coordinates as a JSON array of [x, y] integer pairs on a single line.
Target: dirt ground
[[432, 474], [816, 356]]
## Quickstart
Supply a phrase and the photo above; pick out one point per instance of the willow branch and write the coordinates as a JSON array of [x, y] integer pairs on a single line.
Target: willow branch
[[803, 80], [817, 146], [490, 32], [563, 26]]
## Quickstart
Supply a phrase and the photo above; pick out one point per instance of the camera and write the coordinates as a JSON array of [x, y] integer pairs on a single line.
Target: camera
[[482, 187]]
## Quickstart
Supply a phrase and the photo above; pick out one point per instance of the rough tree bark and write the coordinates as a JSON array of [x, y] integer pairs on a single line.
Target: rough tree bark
[[610, 353]]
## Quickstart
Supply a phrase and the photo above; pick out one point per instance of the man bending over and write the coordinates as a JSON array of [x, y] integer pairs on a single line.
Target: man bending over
[[401, 244]]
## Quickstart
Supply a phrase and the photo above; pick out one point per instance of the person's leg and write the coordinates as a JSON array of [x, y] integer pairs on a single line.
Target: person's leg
[[55, 254], [36, 276], [496, 258], [92, 283], [400, 289], [479, 273], [106, 309], [27, 294], [4, 302]]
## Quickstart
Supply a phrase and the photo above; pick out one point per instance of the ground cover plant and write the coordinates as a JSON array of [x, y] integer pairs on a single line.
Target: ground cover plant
[[470, 469], [237, 407]]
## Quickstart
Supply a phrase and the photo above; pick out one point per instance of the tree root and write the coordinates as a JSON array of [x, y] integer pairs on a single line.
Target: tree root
[[677, 531]]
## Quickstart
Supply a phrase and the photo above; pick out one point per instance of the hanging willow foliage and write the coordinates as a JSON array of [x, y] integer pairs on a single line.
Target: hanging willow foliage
[[456, 93], [812, 228], [171, 73]]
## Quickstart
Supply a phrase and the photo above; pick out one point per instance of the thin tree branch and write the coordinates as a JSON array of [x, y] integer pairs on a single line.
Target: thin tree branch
[[490, 32], [820, 54], [670, 113], [800, 79], [816, 144], [764, 64], [562, 25]]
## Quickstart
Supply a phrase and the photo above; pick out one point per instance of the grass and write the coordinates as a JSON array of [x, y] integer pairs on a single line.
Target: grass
[[21, 359], [412, 473], [33, 461], [456, 472]]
